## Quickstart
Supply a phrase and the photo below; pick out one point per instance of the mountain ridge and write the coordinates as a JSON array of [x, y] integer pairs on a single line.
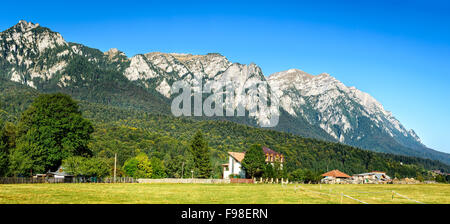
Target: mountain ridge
[[38, 57]]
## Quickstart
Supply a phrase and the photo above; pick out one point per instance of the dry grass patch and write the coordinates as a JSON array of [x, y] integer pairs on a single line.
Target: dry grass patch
[[220, 194]]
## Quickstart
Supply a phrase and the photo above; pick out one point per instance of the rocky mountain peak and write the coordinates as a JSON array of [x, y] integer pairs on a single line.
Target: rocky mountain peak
[[291, 75], [113, 54], [31, 36], [25, 26], [113, 51], [324, 75]]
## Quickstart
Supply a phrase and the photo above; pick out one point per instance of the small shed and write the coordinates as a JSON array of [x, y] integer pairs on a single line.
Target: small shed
[[60, 175], [372, 177]]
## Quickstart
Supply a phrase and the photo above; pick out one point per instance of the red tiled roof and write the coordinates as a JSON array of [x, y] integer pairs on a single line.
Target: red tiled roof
[[270, 151], [239, 156], [335, 173]]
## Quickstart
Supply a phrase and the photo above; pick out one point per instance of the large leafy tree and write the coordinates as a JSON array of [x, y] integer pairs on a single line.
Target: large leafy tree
[[50, 130], [254, 161], [138, 167], [201, 156]]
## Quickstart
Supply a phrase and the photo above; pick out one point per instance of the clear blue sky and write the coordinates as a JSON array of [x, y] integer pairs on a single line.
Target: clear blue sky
[[397, 51]]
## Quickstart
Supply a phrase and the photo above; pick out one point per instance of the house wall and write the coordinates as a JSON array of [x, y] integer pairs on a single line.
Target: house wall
[[234, 167], [226, 173]]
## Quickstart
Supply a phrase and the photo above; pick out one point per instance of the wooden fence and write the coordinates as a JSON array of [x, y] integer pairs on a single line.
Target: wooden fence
[[32, 180], [241, 181], [184, 181], [51, 180]]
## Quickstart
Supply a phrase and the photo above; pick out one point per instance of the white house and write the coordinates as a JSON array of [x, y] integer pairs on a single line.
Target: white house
[[234, 165]]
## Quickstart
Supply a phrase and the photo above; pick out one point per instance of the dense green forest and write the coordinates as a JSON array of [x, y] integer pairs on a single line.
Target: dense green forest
[[165, 139]]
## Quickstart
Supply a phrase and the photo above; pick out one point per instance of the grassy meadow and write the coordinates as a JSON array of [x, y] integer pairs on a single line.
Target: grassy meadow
[[221, 194]]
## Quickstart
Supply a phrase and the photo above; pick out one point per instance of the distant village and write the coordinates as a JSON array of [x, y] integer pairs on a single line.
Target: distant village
[[234, 168]]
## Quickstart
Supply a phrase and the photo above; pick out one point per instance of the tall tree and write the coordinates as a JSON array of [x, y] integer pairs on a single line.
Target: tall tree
[[201, 155], [50, 130], [7, 142], [254, 161]]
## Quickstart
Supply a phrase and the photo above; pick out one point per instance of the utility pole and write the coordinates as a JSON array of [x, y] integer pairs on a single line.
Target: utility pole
[[182, 170], [115, 166]]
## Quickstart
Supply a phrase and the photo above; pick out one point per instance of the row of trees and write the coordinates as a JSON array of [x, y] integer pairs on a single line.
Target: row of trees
[[86, 166], [142, 166]]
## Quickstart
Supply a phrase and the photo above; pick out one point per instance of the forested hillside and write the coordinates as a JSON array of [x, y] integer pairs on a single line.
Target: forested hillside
[[129, 132]]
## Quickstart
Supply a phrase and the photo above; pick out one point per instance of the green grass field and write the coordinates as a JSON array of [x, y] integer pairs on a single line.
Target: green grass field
[[220, 194]]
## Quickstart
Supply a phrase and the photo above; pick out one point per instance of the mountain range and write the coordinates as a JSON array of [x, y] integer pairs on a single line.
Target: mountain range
[[313, 106]]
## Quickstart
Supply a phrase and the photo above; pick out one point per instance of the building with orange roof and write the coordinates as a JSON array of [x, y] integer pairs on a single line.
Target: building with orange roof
[[334, 176]]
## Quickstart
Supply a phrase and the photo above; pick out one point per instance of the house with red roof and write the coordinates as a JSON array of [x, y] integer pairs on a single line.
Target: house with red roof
[[334, 176], [234, 165]]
